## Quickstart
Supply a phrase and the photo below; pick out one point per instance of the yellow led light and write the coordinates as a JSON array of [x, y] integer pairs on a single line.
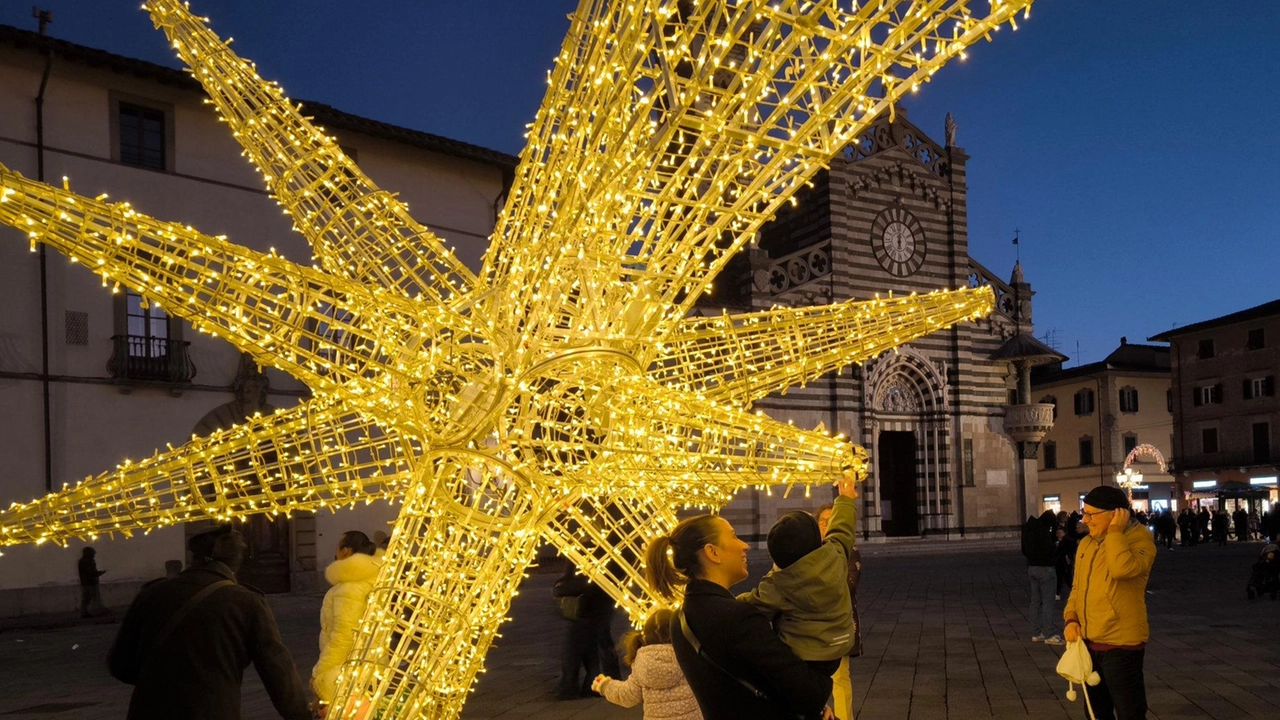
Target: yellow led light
[[563, 393]]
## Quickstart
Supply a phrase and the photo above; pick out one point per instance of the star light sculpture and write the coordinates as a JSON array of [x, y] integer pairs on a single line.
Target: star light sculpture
[[562, 394]]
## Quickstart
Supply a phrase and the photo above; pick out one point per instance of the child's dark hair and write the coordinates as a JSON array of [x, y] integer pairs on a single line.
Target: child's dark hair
[[357, 542], [671, 560], [656, 631]]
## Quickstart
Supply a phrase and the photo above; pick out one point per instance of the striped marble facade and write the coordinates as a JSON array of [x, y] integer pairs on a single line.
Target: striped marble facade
[[942, 388]]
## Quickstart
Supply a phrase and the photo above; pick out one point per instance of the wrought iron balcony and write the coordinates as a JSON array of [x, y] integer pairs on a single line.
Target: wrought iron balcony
[[149, 359], [1028, 423]]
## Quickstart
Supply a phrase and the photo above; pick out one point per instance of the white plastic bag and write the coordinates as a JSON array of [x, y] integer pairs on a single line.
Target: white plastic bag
[[1077, 667]]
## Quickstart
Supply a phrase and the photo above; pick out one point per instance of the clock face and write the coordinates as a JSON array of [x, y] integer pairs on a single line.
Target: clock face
[[898, 242]]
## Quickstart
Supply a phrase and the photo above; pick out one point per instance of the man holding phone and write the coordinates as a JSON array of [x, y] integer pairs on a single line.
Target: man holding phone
[[1108, 607]]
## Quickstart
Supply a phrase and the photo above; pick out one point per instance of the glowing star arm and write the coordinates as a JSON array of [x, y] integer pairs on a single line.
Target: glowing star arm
[[607, 430], [605, 538], [739, 359], [356, 230], [311, 457], [321, 330], [465, 535], [666, 141]]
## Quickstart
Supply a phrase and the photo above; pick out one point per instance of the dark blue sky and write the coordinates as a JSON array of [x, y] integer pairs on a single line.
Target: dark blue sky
[[1133, 142]]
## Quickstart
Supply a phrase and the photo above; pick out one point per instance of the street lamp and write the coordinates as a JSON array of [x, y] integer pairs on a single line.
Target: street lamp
[[1129, 479]]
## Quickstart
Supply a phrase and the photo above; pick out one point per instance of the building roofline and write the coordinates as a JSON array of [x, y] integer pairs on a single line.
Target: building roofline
[[1253, 313], [326, 115]]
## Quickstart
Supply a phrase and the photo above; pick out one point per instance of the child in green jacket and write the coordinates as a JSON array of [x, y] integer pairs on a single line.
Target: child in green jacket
[[808, 589]]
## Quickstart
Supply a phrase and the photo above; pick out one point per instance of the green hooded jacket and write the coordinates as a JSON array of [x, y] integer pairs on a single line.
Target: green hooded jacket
[[811, 597]]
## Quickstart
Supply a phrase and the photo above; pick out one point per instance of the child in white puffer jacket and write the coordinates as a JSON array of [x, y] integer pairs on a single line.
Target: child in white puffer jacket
[[656, 678]]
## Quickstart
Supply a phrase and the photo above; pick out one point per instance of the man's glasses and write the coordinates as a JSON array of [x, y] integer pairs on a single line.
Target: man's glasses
[[1097, 512]]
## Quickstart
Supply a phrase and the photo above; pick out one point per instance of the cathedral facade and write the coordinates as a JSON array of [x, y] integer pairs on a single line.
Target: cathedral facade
[[890, 216]]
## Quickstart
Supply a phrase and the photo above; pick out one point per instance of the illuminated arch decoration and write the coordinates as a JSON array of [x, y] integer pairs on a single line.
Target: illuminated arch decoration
[[564, 392], [1147, 451]]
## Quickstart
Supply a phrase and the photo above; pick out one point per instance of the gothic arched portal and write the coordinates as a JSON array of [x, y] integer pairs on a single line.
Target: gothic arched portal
[[907, 429]]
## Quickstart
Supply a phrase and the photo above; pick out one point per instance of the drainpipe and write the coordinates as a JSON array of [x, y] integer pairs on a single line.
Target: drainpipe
[[44, 281]]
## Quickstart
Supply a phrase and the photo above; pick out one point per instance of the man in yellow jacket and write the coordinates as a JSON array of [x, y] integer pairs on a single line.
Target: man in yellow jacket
[[1108, 607]]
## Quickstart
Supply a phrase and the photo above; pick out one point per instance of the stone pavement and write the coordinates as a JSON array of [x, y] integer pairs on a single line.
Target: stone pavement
[[946, 631]]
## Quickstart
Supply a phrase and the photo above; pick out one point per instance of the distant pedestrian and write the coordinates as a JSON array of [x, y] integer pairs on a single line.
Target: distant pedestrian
[[1038, 547], [1167, 527], [90, 590], [1108, 608], [1221, 526], [656, 678], [381, 541], [351, 576], [1064, 562], [186, 641], [1240, 519], [1203, 519], [588, 648]]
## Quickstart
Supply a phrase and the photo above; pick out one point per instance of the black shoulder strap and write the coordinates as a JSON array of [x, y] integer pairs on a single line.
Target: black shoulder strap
[[176, 618], [697, 647]]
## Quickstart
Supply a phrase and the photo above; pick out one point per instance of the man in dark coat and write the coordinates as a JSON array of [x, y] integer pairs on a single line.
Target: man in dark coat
[[1039, 545], [588, 642], [90, 591], [1240, 519], [1202, 525], [186, 641]]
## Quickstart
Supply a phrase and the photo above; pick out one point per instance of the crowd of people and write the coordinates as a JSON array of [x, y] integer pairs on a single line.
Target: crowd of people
[[778, 650]]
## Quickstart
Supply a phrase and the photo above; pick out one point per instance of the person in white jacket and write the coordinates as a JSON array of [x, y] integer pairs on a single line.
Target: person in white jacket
[[351, 574], [656, 678]]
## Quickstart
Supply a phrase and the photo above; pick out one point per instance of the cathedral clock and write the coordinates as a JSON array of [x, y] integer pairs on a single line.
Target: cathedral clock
[[898, 242]]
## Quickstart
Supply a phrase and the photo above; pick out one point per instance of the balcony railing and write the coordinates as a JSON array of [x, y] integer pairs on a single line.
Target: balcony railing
[[1219, 460], [1028, 423], [149, 359]]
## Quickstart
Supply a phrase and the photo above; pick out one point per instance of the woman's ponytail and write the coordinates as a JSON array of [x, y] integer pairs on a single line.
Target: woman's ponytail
[[671, 560], [658, 570]]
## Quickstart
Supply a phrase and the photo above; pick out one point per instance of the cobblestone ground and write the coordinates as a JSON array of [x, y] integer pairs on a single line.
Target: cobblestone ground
[[946, 629]]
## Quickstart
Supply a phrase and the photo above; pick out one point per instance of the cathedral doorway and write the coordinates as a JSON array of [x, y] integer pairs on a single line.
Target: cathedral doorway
[[896, 457]]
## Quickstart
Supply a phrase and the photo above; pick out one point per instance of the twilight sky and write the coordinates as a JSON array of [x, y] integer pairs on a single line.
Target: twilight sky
[[1133, 142]]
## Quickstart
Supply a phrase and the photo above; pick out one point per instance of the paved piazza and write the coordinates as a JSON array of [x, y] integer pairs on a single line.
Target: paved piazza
[[947, 637]]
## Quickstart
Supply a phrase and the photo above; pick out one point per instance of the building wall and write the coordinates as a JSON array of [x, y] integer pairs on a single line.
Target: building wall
[[1232, 363], [1108, 426], [95, 422]]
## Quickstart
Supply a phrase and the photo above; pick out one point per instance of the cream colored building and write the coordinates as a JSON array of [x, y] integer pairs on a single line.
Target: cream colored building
[[123, 380], [1103, 411]]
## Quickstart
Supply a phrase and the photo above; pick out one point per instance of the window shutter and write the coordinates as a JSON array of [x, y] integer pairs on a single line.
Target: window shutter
[[1135, 400], [1269, 386], [1217, 393], [1246, 389], [1197, 396]]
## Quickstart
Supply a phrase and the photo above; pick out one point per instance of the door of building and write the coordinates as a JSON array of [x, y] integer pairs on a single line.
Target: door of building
[[266, 562], [896, 452]]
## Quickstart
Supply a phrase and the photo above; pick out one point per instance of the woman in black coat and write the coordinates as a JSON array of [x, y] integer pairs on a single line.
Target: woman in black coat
[[704, 555]]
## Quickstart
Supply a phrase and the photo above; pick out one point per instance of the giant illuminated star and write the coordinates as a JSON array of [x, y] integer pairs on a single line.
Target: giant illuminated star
[[564, 393]]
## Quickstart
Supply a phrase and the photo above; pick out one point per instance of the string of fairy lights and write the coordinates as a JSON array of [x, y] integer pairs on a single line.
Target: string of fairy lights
[[563, 394]]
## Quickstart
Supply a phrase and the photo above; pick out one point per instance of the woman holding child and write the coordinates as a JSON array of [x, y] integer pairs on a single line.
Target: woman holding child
[[735, 664]]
